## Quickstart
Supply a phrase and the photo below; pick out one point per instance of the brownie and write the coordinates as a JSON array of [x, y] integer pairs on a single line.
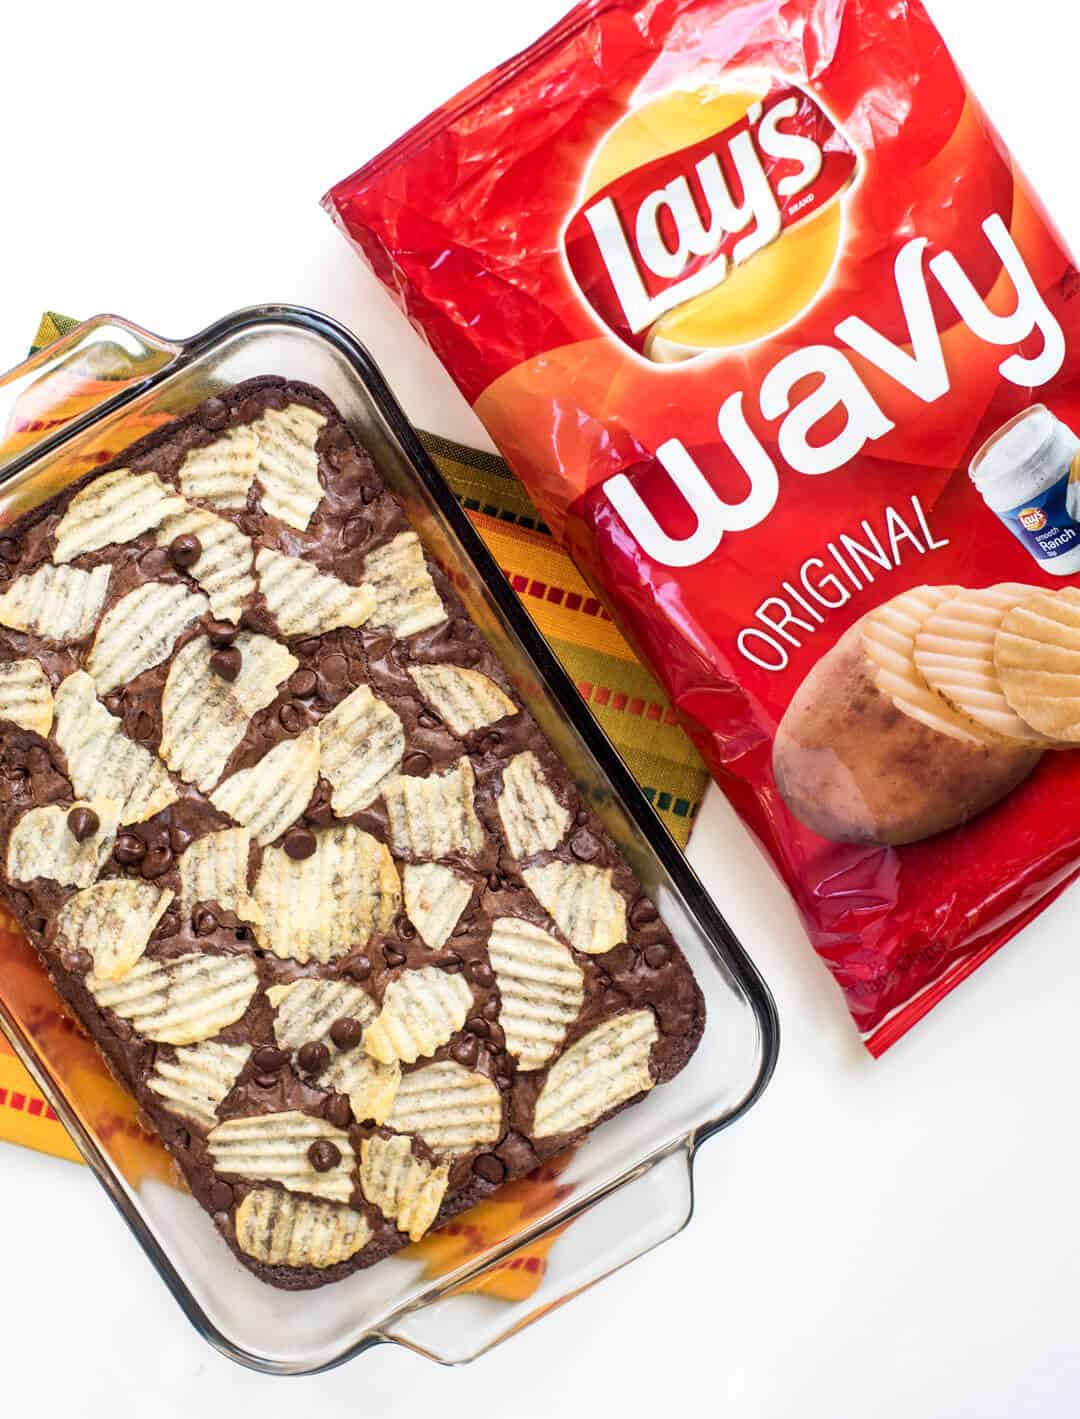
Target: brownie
[[286, 839]]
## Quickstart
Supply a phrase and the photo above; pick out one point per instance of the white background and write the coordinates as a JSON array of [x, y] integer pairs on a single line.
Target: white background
[[896, 1239]]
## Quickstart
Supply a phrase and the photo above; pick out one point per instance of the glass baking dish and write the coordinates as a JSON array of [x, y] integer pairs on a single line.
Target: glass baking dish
[[630, 1186]]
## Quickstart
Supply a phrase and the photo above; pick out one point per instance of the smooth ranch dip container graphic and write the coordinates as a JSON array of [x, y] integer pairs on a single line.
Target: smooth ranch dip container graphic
[[1023, 474]]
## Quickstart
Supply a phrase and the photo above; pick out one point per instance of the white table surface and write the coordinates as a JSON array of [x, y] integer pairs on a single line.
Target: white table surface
[[895, 1239]]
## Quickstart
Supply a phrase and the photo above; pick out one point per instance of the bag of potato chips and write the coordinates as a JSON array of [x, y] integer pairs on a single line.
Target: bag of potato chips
[[755, 301]]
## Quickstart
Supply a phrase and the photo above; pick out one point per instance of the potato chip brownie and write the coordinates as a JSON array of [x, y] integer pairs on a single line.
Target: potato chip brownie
[[277, 823]]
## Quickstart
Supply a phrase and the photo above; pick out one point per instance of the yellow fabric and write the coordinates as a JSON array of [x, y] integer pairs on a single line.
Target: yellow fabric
[[624, 696]]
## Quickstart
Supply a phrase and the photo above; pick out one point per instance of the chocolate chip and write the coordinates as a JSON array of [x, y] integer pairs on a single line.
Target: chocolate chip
[[359, 968], [9, 550], [451, 962], [308, 648], [584, 846], [427, 720], [158, 860], [291, 718], [155, 563], [518, 1155], [268, 1060], [368, 494], [490, 742], [406, 930], [416, 764], [581, 816], [313, 1057], [266, 1081], [503, 1082], [494, 882], [300, 844], [38, 925], [83, 823], [179, 838], [252, 408], [475, 1025], [226, 663], [185, 551], [221, 1197], [465, 1050], [490, 1009], [302, 684], [142, 728], [182, 1138], [168, 926], [114, 703], [334, 669], [338, 1111], [642, 913], [657, 955], [346, 1033], [222, 634], [481, 974], [324, 1155], [205, 922], [393, 958], [76, 962], [355, 533], [496, 1038], [38, 759], [214, 415], [490, 1168], [129, 849], [321, 810]]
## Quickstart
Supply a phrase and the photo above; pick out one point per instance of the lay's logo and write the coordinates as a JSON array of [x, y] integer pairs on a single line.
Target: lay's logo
[[710, 218], [1032, 518]]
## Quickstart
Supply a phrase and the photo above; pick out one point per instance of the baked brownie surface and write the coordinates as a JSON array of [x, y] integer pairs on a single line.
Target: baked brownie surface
[[285, 838]]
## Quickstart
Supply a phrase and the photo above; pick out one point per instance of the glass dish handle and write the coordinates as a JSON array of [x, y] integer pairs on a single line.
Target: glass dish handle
[[101, 363], [616, 1229]]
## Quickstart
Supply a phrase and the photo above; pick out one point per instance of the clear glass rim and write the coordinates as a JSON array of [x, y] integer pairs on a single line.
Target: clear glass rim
[[719, 935]]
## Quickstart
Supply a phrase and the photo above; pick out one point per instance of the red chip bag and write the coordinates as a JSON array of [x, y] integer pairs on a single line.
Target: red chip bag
[[756, 303]]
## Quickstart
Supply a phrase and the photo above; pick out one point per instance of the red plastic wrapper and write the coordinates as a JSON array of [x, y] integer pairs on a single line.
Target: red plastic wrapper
[[755, 301]]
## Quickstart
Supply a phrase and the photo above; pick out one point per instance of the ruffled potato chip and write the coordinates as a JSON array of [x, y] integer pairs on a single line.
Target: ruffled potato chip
[[221, 473], [274, 1148], [307, 1009], [435, 897], [363, 743], [421, 1010], [224, 567], [139, 632], [113, 509], [434, 816], [43, 845], [405, 1189], [372, 1087], [56, 603], [193, 1084], [99, 754], [453, 1109], [583, 903], [288, 464], [280, 1230], [113, 921], [465, 699], [215, 869], [203, 716], [541, 989], [182, 1001], [532, 817], [270, 796], [602, 1070], [307, 602], [26, 696], [329, 903], [405, 594], [1037, 659]]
